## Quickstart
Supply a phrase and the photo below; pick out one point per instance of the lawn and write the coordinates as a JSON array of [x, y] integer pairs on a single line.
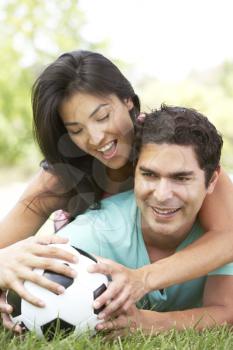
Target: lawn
[[218, 338]]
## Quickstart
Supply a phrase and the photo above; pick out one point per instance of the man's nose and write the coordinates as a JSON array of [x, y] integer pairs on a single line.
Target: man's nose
[[163, 190]]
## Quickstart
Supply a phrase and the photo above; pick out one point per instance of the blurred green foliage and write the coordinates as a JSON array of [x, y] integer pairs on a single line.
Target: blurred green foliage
[[34, 32], [31, 31], [210, 92]]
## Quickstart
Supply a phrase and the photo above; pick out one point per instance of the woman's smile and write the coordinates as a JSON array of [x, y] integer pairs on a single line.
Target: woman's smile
[[109, 150], [100, 126]]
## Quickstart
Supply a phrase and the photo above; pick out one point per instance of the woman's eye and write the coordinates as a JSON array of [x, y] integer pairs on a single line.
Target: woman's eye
[[76, 132], [103, 118]]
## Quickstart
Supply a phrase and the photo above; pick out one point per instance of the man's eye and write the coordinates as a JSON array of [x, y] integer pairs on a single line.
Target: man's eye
[[182, 178], [148, 174]]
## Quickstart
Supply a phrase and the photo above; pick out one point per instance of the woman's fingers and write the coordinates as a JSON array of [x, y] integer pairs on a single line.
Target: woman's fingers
[[41, 248], [52, 265], [51, 239], [4, 306], [19, 288], [44, 282], [7, 323]]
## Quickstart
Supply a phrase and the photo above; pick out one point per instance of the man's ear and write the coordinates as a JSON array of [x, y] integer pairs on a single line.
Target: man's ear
[[129, 103], [213, 180]]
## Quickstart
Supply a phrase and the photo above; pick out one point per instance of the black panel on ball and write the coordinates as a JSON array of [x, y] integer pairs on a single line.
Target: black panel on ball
[[24, 328], [65, 281], [15, 301], [97, 293], [54, 327], [82, 252]]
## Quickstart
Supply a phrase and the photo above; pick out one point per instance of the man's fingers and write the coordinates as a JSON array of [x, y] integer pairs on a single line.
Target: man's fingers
[[127, 305], [113, 306], [100, 268], [117, 323], [104, 298]]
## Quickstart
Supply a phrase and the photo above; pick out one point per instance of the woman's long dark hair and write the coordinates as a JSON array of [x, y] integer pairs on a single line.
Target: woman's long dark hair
[[77, 71]]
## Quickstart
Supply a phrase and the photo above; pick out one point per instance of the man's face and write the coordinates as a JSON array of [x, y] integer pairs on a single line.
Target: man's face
[[170, 188]]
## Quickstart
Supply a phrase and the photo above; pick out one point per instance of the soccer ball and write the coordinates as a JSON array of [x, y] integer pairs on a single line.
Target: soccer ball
[[70, 312]]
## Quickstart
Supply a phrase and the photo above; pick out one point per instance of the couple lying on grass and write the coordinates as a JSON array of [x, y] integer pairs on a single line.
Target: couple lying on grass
[[176, 154]]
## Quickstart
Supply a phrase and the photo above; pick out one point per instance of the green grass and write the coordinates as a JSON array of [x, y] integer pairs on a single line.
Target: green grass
[[218, 338]]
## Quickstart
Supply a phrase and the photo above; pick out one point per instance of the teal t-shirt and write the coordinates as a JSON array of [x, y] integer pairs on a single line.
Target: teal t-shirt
[[114, 232]]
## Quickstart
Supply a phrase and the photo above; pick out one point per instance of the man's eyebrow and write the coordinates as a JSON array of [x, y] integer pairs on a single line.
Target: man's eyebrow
[[182, 173], [91, 115], [142, 168], [178, 173]]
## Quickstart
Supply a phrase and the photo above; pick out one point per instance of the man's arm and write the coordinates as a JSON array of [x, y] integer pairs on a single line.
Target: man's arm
[[217, 309]]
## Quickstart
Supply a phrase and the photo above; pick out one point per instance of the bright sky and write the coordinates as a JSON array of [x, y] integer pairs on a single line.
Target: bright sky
[[163, 38]]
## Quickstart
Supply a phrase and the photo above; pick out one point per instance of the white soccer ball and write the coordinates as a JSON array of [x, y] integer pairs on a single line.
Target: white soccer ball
[[69, 312]]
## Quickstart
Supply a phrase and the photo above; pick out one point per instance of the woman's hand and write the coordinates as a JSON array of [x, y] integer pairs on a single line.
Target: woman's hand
[[123, 291], [5, 310], [18, 260]]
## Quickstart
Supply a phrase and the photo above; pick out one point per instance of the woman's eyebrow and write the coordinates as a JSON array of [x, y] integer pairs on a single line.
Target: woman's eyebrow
[[97, 109], [91, 115]]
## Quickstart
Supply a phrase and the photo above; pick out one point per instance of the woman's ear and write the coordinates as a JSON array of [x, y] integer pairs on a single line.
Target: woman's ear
[[129, 103]]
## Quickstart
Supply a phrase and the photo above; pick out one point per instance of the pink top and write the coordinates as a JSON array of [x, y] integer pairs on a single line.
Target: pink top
[[62, 218]]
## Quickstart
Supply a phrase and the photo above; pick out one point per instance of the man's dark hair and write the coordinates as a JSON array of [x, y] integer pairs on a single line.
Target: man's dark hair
[[186, 127]]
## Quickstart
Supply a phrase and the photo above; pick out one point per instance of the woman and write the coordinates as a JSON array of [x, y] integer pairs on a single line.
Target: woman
[[84, 115]]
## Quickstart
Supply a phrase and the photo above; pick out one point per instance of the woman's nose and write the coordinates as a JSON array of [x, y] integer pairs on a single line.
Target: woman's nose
[[95, 138]]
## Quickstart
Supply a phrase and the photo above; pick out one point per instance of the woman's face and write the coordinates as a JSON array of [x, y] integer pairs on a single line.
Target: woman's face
[[100, 126]]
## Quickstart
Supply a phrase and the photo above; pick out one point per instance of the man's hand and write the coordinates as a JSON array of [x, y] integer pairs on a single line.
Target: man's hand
[[131, 320], [123, 291]]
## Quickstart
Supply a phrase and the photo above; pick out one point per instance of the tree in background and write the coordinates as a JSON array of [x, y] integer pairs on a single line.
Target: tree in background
[[211, 92], [31, 31]]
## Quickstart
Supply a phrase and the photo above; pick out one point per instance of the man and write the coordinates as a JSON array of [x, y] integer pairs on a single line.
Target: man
[[178, 165]]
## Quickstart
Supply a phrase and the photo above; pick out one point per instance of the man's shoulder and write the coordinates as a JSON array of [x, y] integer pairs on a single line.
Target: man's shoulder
[[117, 209], [114, 211], [103, 231], [123, 199]]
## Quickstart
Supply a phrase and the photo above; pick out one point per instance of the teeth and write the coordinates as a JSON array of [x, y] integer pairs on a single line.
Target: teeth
[[165, 211], [106, 147]]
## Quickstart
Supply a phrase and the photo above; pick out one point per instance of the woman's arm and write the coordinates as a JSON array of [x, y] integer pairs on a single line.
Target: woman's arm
[[32, 209], [212, 250], [217, 210], [216, 310]]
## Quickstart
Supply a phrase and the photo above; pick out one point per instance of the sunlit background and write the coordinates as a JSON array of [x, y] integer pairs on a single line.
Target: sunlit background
[[174, 51]]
